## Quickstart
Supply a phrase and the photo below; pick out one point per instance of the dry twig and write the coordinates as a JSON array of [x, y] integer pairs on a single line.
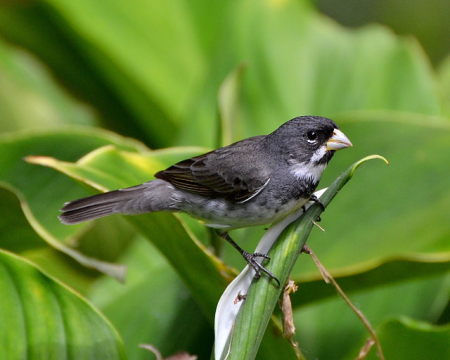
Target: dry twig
[[330, 280]]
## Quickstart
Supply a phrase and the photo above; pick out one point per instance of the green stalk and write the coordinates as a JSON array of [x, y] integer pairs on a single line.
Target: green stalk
[[258, 307]]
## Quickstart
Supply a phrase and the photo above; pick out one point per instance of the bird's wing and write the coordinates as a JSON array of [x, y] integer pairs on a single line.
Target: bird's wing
[[231, 172]]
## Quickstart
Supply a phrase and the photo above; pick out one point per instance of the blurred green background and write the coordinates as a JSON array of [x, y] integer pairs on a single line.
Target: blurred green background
[[119, 78]]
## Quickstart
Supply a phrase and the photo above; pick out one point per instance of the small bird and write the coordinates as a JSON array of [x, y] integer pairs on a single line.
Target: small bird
[[255, 181]]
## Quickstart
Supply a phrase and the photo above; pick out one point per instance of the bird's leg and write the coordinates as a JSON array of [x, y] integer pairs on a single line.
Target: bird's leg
[[249, 257]]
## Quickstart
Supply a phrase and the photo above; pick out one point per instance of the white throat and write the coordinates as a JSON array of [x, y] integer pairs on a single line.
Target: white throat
[[310, 170]]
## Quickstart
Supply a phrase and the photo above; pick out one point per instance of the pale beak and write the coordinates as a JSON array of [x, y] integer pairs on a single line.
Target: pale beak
[[338, 141]]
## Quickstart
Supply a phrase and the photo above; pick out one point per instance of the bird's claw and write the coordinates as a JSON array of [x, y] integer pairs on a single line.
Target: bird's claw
[[251, 260], [315, 199]]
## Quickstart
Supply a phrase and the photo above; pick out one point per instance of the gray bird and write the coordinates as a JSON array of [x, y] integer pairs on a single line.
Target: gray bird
[[255, 181]]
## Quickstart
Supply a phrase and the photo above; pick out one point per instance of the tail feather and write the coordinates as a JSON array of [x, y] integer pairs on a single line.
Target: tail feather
[[85, 214], [105, 198], [93, 207], [151, 196]]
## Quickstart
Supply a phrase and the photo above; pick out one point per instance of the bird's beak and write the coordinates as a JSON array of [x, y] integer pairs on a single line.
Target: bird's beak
[[338, 141]]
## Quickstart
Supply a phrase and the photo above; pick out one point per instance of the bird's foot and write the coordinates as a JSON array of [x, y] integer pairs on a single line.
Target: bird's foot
[[317, 201], [251, 260]]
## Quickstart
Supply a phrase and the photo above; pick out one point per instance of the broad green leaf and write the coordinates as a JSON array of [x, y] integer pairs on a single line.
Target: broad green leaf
[[329, 329], [330, 70], [300, 63], [41, 318], [18, 236], [64, 268], [29, 97], [16, 233], [162, 65], [257, 309], [36, 28], [359, 279], [406, 338], [106, 239], [41, 192], [154, 301]]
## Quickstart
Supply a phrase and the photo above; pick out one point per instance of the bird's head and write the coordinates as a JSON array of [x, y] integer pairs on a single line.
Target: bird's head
[[308, 140]]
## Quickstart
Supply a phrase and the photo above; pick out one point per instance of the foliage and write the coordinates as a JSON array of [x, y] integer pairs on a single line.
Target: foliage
[[73, 71]]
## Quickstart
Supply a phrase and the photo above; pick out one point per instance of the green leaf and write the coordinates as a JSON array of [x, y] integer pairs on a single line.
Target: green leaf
[[323, 322], [30, 99], [147, 84], [300, 63], [41, 318], [17, 234], [444, 75], [36, 28], [406, 338], [41, 193], [156, 302], [358, 279], [228, 104], [257, 309]]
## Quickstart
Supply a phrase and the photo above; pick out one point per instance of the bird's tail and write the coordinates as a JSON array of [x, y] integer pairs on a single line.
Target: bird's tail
[[148, 197]]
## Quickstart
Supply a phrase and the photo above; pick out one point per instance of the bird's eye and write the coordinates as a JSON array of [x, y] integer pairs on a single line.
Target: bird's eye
[[312, 136]]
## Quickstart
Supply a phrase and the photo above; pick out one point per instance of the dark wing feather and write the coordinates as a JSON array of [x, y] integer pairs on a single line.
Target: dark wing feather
[[217, 173], [180, 176]]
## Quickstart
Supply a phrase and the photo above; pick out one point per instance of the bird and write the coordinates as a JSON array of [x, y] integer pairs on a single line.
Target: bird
[[255, 181]]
